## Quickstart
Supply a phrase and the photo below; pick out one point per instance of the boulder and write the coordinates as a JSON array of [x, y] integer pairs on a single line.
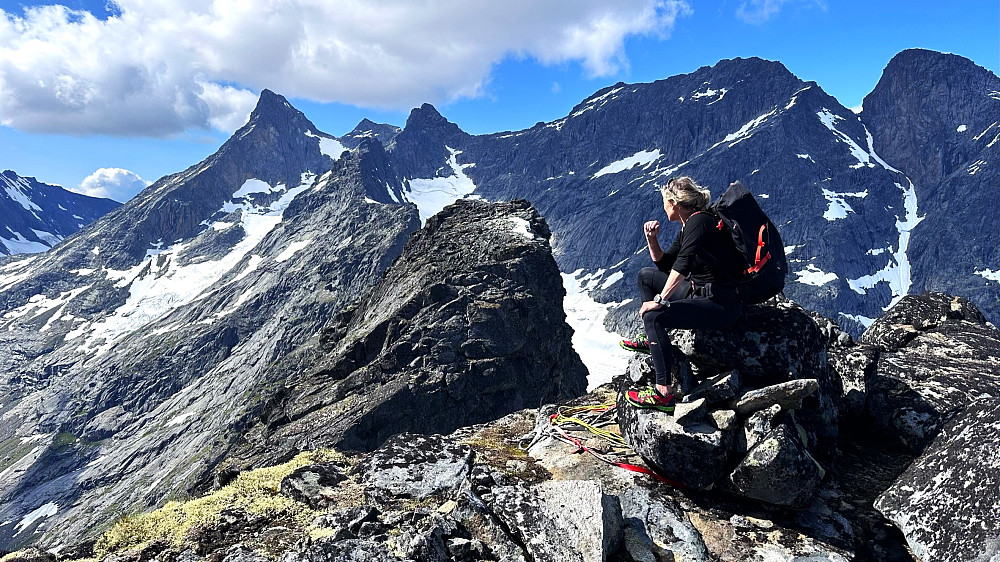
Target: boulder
[[416, 466], [657, 528], [778, 470], [313, 484], [759, 424], [326, 549], [772, 344], [789, 395], [694, 455], [561, 520], [853, 365], [717, 389], [724, 419], [347, 523], [947, 503], [914, 314], [691, 413], [938, 356]]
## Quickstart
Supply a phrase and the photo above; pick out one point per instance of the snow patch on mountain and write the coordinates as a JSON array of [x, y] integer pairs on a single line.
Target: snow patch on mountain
[[158, 286], [813, 275], [975, 167], [40, 305], [21, 245], [15, 190], [642, 158], [329, 147], [291, 250], [863, 320], [989, 274], [597, 347], [46, 511], [521, 227], [597, 102], [746, 131], [830, 120], [14, 272], [897, 273], [433, 194], [253, 185], [839, 208], [709, 92]]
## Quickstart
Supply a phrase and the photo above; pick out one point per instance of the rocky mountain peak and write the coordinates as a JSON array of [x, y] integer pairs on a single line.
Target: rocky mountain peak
[[274, 111], [367, 128], [427, 119]]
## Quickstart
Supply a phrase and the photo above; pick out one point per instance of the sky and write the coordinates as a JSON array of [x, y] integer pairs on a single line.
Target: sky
[[104, 97]]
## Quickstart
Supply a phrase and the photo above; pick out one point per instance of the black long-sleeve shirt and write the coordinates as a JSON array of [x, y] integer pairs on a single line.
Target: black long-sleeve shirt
[[702, 252]]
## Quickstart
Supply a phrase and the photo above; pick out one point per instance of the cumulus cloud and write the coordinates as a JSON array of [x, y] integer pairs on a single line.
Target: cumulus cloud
[[158, 67], [114, 183]]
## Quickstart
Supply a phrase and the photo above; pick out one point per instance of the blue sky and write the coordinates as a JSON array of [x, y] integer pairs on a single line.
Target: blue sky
[[143, 88]]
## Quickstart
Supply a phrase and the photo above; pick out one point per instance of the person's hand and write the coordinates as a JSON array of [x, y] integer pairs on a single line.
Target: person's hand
[[647, 306], [651, 229]]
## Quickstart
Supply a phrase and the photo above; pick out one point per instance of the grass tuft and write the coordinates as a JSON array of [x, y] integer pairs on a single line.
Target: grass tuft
[[254, 491]]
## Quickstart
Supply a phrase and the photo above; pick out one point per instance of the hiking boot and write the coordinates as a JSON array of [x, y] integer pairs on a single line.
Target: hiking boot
[[640, 343], [650, 398]]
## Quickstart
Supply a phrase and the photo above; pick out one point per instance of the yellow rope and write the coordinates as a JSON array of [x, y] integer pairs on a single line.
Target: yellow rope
[[570, 415]]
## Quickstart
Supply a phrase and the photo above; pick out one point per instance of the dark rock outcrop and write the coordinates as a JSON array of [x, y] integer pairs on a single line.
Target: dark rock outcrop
[[467, 324], [938, 355], [946, 503]]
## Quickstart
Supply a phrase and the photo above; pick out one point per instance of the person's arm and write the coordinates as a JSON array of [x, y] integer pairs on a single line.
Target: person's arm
[[666, 258], [673, 281], [652, 229]]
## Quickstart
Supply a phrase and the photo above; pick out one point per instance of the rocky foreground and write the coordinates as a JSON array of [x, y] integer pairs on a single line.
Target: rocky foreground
[[793, 442], [754, 477]]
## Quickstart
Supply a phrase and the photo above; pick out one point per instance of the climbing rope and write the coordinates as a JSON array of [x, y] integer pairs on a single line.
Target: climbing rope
[[593, 419]]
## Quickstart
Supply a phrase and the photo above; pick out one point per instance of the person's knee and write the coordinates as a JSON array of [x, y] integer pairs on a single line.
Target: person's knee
[[646, 274]]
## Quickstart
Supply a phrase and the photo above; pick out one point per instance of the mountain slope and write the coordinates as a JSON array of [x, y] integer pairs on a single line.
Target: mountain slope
[[36, 216], [128, 385], [936, 116]]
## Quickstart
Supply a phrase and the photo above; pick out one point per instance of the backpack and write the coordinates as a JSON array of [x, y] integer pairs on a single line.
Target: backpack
[[762, 275]]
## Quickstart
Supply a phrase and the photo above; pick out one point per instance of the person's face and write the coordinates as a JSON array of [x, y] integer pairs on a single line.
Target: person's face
[[670, 207]]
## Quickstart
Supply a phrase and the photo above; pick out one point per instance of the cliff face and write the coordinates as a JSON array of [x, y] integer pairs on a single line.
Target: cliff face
[[934, 115], [467, 325]]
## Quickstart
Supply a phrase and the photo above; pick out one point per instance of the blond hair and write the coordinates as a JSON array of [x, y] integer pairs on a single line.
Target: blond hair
[[685, 191]]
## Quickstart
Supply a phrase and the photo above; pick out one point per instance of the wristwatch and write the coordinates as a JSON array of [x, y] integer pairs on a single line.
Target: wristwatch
[[660, 300]]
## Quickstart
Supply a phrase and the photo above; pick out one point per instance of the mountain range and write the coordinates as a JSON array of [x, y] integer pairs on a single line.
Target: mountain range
[[37, 216], [146, 350]]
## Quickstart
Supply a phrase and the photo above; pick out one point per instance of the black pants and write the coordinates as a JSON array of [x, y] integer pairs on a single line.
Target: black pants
[[702, 307]]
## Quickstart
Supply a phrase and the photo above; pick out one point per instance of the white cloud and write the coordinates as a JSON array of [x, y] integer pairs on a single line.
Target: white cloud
[[114, 183], [759, 11], [158, 67]]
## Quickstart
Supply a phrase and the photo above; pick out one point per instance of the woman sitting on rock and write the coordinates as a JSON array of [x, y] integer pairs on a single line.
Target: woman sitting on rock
[[690, 287]]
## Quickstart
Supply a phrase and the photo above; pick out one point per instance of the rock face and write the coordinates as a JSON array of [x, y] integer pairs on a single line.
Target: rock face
[[947, 502], [467, 324], [937, 356], [934, 116], [36, 216]]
